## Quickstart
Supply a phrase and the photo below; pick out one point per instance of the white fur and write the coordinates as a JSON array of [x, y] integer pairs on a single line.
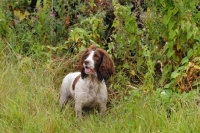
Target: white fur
[[88, 92], [90, 60], [66, 87]]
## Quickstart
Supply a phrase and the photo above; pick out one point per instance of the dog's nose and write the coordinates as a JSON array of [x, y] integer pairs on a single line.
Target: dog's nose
[[86, 62]]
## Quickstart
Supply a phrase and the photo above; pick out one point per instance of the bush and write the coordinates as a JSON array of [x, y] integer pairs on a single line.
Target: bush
[[169, 35], [174, 43]]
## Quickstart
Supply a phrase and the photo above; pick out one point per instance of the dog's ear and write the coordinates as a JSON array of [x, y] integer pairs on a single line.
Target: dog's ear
[[106, 68], [80, 65], [83, 74]]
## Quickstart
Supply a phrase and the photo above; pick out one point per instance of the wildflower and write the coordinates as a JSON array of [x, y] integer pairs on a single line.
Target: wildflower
[[163, 93], [78, 16], [51, 14], [103, 13]]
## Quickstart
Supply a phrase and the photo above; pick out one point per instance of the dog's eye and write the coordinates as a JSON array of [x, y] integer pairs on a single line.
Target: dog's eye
[[97, 56]]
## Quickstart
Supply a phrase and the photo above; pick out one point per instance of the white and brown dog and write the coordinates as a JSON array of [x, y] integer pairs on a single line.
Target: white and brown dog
[[88, 87]]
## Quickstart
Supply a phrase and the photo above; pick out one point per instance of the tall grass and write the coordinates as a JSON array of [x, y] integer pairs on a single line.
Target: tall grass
[[28, 103]]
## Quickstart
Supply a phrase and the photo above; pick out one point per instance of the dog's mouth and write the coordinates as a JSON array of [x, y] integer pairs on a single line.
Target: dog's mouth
[[89, 70]]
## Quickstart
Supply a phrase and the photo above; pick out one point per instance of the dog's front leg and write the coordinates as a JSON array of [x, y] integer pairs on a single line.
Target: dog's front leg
[[102, 108], [78, 110]]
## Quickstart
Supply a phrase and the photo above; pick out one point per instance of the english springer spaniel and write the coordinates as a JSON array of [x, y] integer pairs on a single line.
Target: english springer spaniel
[[88, 87]]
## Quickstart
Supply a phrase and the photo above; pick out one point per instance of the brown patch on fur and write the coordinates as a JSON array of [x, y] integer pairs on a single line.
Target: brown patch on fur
[[75, 81]]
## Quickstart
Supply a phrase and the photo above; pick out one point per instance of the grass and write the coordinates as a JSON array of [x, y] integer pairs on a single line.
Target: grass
[[29, 104]]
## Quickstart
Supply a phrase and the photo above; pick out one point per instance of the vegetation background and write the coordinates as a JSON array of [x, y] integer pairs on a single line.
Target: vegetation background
[[155, 45]]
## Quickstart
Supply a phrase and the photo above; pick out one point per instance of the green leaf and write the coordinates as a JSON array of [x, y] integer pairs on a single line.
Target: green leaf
[[171, 24], [172, 34], [188, 26], [168, 85], [175, 10], [182, 25], [184, 60], [29, 2], [52, 48], [189, 34], [140, 60], [126, 65], [38, 4], [175, 74], [189, 53], [166, 19], [166, 47], [198, 15], [170, 53], [82, 48], [84, 42], [178, 46]]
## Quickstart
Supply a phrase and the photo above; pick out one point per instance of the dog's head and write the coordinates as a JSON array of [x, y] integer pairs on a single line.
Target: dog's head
[[96, 61]]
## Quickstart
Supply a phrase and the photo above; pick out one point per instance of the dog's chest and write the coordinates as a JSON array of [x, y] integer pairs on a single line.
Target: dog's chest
[[92, 94], [92, 98], [92, 90]]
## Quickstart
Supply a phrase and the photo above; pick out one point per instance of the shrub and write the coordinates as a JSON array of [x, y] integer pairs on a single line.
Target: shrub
[[175, 43], [169, 35]]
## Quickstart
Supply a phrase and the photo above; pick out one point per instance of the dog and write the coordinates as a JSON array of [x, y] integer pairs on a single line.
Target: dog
[[88, 87]]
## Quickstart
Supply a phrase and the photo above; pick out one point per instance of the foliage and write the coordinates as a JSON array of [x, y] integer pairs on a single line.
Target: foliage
[[138, 54], [181, 39], [89, 31], [55, 30], [175, 43], [4, 27], [32, 31]]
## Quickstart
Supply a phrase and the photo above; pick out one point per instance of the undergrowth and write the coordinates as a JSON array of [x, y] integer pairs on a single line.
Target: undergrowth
[[39, 45], [29, 103]]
